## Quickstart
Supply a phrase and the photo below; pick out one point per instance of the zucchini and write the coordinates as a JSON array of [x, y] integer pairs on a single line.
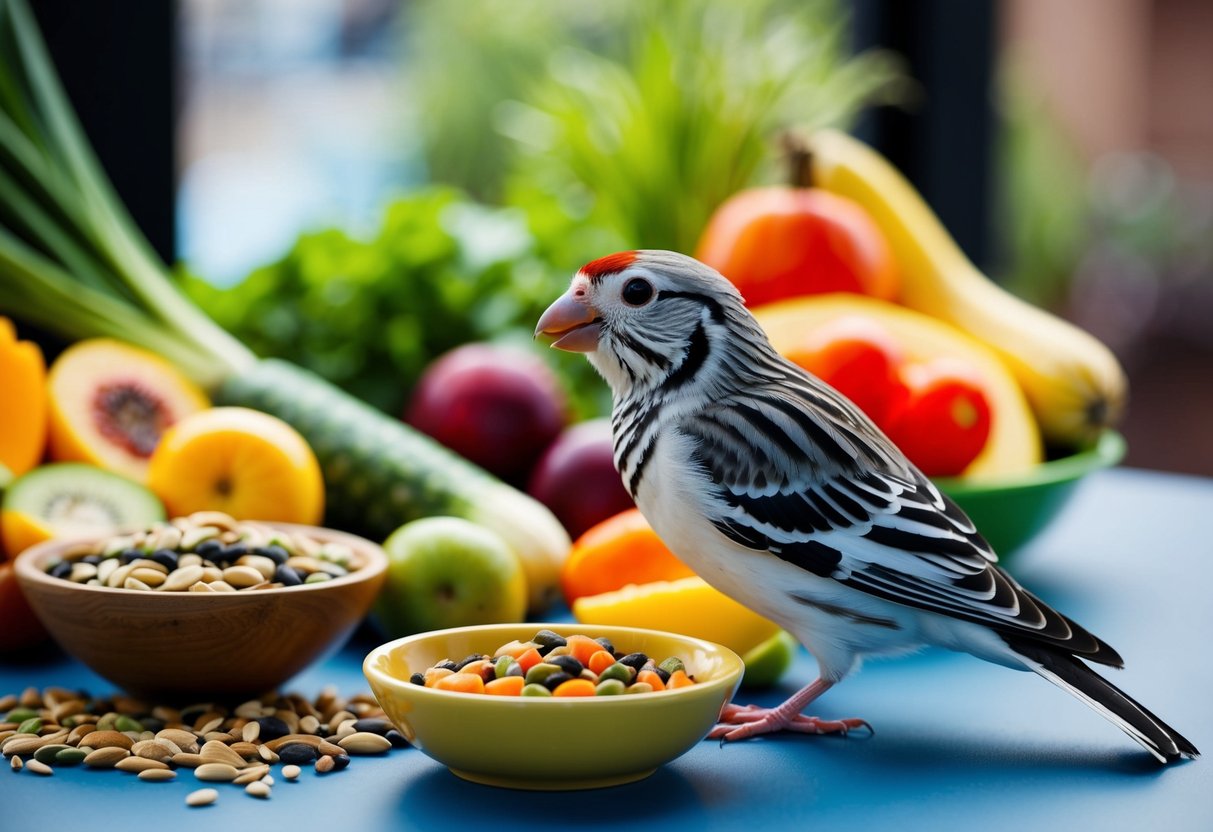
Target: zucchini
[[379, 473], [73, 262]]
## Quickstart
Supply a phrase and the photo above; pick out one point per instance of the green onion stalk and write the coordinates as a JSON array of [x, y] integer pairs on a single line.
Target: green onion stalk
[[73, 262]]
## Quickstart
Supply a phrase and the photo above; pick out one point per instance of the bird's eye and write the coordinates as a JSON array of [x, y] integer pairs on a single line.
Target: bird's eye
[[637, 291]]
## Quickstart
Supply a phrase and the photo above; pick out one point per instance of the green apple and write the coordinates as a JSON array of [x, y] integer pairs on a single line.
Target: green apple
[[766, 663], [448, 572]]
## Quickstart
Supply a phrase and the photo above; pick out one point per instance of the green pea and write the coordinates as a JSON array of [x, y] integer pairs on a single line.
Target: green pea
[[317, 578], [619, 671], [501, 668], [535, 690], [540, 672], [672, 665], [30, 726], [126, 723], [20, 715], [640, 687], [610, 687]]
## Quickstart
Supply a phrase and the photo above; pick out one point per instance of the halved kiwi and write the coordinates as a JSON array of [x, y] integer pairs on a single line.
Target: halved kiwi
[[71, 499]]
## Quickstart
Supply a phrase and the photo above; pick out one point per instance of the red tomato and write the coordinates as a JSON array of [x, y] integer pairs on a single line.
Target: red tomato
[[859, 358], [779, 242], [19, 627], [945, 420]]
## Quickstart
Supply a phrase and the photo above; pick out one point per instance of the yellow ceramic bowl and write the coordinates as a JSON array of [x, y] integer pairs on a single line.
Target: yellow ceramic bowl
[[548, 743]]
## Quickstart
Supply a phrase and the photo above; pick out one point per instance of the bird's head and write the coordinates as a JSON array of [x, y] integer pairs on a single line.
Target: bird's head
[[647, 318]]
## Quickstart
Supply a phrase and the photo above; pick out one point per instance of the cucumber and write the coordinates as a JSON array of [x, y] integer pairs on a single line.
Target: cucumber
[[379, 473]]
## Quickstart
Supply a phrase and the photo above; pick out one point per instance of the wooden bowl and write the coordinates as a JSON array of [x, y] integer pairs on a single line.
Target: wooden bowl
[[191, 644]]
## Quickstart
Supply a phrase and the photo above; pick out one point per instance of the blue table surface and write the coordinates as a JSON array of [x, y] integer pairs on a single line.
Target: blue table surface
[[959, 744]]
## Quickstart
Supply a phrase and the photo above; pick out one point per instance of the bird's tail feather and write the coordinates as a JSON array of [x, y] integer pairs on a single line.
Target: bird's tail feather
[[1074, 677]]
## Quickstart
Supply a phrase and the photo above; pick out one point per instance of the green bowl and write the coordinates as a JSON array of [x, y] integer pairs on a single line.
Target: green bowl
[[1012, 511], [548, 743]]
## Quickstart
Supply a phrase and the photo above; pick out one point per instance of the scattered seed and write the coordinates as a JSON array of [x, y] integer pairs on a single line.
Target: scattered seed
[[251, 775], [39, 767], [258, 789], [106, 757], [138, 764], [218, 772], [251, 731], [201, 797], [16, 763], [324, 765], [363, 742], [291, 772], [157, 775]]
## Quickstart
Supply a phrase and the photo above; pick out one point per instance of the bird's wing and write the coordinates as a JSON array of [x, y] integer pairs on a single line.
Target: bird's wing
[[797, 472]]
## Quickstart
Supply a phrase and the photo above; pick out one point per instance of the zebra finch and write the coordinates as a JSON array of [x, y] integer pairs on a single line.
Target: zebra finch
[[782, 494]]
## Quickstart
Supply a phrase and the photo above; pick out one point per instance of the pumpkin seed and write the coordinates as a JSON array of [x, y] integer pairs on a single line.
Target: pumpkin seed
[[218, 772], [38, 767], [258, 789], [201, 797], [106, 757]]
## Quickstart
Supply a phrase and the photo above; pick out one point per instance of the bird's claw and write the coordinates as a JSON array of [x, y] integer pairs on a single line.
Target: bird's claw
[[737, 722]]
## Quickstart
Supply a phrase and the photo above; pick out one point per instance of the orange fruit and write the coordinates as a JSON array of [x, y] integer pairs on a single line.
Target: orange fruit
[[248, 464], [689, 606], [22, 402], [620, 550]]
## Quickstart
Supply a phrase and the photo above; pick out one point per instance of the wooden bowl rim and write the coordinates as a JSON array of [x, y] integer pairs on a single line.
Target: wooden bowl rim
[[26, 566]]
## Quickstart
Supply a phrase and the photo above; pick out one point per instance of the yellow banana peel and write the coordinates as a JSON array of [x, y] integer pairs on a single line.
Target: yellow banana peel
[[1073, 383]]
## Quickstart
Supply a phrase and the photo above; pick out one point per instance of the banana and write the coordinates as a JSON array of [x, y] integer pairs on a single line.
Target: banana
[[1074, 384]]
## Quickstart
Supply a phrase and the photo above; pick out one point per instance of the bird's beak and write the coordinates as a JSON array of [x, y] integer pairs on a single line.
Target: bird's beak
[[572, 322]]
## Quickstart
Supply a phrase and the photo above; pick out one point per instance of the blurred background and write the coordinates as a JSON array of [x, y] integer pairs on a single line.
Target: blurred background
[[316, 166]]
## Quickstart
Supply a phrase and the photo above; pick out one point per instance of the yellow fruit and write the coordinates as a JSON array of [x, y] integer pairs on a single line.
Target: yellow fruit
[[19, 531], [1014, 445], [689, 606], [248, 464], [111, 402], [1073, 382], [22, 401]]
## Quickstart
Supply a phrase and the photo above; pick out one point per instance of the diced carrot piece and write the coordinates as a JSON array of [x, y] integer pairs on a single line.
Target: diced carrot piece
[[574, 687], [481, 667], [529, 659], [679, 679], [650, 678], [433, 674], [600, 661], [514, 649], [582, 647], [505, 686], [462, 682]]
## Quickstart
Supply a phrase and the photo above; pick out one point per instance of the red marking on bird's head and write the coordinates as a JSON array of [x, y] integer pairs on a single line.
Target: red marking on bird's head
[[611, 264]]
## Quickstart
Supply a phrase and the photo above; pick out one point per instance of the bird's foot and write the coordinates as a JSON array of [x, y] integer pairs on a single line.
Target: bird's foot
[[738, 722]]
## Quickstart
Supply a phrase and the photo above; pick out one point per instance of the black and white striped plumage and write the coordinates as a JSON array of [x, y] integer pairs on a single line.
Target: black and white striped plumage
[[783, 495]]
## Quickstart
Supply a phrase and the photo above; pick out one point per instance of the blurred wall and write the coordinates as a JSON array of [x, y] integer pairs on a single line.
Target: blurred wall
[[1131, 84]]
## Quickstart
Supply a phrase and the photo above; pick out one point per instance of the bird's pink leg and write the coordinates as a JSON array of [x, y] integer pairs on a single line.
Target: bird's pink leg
[[740, 721]]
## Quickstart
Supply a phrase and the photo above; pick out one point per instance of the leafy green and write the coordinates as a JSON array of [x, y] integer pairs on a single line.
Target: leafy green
[[369, 315]]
